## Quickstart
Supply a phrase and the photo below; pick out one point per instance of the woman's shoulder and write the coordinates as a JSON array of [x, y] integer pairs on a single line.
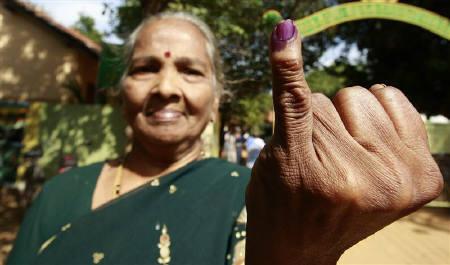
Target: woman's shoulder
[[70, 193], [224, 163], [63, 198], [77, 177], [214, 172], [225, 168], [221, 182]]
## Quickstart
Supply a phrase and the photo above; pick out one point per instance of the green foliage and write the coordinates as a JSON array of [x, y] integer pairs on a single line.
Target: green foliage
[[253, 111], [321, 81], [271, 17], [86, 25], [329, 80], [125, 18], [111, 66]]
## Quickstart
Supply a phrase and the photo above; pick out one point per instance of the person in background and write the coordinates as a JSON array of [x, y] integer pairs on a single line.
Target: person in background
[[239, 142], [229, 151], [254, 145]]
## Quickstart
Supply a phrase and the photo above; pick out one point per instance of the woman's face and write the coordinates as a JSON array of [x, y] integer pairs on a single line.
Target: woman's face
[[168, 93]]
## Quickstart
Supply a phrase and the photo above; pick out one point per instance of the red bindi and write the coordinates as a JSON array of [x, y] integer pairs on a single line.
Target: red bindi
[[167, 54]]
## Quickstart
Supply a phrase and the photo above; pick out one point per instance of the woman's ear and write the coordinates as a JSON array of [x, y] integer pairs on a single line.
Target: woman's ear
[[215, 109]]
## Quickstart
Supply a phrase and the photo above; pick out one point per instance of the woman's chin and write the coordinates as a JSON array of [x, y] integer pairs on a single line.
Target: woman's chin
[[166, 133], [163, 137]]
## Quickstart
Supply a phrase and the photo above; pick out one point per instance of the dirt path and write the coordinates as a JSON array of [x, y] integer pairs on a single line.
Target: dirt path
[[420, 238]]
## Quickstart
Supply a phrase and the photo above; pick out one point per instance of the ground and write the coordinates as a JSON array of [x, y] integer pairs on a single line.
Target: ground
[[420, 238]]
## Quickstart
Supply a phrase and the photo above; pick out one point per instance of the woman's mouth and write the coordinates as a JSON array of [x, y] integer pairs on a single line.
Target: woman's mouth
[[164, 115]]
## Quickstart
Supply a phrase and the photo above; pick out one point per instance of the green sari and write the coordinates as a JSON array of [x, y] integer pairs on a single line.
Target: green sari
[[195, 215]]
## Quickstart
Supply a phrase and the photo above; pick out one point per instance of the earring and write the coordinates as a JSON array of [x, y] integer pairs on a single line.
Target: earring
[[129, 136]]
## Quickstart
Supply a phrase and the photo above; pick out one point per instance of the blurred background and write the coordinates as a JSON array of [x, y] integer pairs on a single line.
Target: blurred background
[[60, 61]]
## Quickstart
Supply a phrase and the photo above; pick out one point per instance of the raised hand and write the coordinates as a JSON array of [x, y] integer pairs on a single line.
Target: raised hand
[[335, 171]]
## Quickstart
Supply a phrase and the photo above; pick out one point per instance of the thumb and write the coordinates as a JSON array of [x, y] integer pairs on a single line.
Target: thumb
[[291, 93]]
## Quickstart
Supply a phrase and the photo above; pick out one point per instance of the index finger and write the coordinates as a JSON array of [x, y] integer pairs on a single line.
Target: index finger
[[291, 93]]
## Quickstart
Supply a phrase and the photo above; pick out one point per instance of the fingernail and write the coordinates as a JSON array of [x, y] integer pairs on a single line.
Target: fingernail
[[282, 33], [285, 30], [378, 86]]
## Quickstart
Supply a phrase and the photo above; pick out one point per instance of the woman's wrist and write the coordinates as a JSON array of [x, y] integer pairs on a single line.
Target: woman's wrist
[[318, 259], [262, 250]]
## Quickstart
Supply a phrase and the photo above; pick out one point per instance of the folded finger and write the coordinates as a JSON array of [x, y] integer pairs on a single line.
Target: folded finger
[[407, 121], [365, 118]]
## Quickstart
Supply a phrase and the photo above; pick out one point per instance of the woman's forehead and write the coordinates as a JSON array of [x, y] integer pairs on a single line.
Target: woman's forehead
[[174, 35]]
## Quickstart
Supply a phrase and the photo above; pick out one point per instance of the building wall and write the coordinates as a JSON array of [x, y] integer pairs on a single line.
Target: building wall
[[36, 61]]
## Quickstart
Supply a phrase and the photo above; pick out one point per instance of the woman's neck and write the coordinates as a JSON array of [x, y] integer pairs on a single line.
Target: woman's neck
[[152, 162]]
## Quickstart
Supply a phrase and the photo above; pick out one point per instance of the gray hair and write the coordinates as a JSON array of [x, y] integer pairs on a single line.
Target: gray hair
[[211, 44]]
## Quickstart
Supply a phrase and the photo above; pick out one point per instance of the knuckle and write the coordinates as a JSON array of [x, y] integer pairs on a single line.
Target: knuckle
[[293, 109], [349, 93], [321, 106], [389, 93], [320, 99], [353, 89], [341, 188], [349, 196], [434, 181]]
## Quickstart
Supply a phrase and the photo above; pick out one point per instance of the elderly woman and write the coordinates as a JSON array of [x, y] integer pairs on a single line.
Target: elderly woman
[[334, 172]]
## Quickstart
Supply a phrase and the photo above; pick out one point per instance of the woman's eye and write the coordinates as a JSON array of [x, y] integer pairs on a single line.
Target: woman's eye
[[144, 70], [190, 71]]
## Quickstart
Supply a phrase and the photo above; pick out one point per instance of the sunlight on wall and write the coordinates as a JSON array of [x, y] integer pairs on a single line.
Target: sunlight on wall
[[62, 71], [29, 50], [42, 55], [8, 76], [67, 67], [4, 40], [36, 62], [24, 96]]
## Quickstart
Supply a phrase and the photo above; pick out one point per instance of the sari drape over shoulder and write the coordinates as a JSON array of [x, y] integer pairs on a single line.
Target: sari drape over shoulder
[[195, 215]]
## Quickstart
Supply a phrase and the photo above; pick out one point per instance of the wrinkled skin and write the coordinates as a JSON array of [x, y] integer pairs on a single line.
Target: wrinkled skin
[[335, 171]]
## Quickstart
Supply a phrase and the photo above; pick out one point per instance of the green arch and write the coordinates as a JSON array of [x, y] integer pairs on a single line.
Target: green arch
[[335, 15]]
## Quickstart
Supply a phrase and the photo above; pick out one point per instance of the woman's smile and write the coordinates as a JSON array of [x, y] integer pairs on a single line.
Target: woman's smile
[[164, 115]]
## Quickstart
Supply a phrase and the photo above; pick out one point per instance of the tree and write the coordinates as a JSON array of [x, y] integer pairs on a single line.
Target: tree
[[253, 112], [86, 25]]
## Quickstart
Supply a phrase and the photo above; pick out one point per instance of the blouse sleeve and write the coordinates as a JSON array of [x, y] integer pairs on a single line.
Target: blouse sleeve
[[28, 239], [237, 250]]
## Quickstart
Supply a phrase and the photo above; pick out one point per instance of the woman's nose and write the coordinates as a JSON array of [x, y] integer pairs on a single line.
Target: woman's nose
[[167, 86]]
